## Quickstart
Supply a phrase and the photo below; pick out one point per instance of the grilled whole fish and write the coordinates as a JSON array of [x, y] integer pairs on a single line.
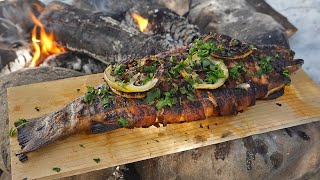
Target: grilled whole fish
[[254, 73]]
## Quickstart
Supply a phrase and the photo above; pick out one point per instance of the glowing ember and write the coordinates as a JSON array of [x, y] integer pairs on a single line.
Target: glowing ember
[[141, 21], [44, 47]]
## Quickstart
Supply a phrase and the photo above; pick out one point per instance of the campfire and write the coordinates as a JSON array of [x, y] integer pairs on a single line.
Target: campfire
[[71, 37], [141, 21], [43, 46]]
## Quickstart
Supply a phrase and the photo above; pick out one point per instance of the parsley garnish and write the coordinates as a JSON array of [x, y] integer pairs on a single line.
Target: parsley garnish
[[106, 96], [259, 72], [56, 169], [239, 68], [81, 145], [251, 73], [172, 59], [286, 72], [202, 49], [22, 123], [265, 65], [119, 69], [174, 71], [123, 121], [103, 92], [214, 74], [169, 98], [89, 96], [97, 160], [152, 95]]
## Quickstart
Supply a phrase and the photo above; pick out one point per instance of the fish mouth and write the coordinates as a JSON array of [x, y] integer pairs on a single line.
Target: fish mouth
[[295, 65]]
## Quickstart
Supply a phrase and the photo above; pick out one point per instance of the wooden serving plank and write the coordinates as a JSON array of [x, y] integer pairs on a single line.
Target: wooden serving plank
[[300, 104]]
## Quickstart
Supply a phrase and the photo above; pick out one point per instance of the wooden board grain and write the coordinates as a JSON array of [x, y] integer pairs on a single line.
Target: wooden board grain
[[300, 104]]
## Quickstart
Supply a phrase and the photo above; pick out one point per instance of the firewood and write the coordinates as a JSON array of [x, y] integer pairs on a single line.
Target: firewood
[[97, 35]]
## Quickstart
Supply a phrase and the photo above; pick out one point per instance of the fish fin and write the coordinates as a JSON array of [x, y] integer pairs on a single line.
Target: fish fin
[[275, 94], [98, 127], [24, 134]]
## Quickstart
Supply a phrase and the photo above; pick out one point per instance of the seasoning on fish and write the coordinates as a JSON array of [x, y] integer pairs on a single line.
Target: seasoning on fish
[[214, 76]]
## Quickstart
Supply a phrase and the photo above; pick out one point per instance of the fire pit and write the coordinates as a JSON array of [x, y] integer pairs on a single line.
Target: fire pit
[[86, 36]]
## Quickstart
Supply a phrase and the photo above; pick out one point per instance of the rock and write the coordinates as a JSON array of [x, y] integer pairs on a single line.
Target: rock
[[18, 78], [237, 19], [95, 175], [290, 153]]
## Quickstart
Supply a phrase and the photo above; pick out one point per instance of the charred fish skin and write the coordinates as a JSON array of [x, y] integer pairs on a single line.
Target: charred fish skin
[[236, 95]]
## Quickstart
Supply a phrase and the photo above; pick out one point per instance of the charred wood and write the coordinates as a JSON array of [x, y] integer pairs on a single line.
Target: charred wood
[[16, 22], [97, 35], [14, 60], [164, 21], [75, 61]]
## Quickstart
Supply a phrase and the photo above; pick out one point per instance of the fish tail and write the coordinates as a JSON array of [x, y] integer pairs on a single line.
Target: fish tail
[[38, 132]]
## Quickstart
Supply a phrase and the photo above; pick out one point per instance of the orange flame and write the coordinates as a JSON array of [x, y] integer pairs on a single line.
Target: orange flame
[[44, 47], [141, 21]]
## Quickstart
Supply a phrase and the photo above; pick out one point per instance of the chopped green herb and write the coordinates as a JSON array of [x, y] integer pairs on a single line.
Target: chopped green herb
[[202, 49], [81, 145], [286, 72], [123, 121], [78, 90], [174, 71], [119, 69], [147, 79], [214, 74], [150, 69], [90, 95], [104, 94], [190, 97], [21, 123], [259, 72], [252, 73], [236, 70], [201, 126], [277, 55], [12, 132], [152, 95], [172, 59], [56, 169], [265, 64], [97, 160], [37, 108], [168, 100]]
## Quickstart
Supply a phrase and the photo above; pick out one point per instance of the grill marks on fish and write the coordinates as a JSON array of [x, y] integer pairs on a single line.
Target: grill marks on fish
[[206, 104]]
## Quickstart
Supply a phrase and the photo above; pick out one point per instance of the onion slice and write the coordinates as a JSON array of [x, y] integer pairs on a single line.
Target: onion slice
[[129, 95], [205, 85], [130, 86]]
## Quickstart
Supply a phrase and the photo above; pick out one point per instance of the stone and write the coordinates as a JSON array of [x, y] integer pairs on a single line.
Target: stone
[[290, 153], [237, 19], [18, 78]]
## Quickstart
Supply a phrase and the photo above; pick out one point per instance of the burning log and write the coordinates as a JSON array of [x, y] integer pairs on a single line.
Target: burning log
[[16, 22], [75, 61], [11, 60], [164, 21], [98, 36]]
